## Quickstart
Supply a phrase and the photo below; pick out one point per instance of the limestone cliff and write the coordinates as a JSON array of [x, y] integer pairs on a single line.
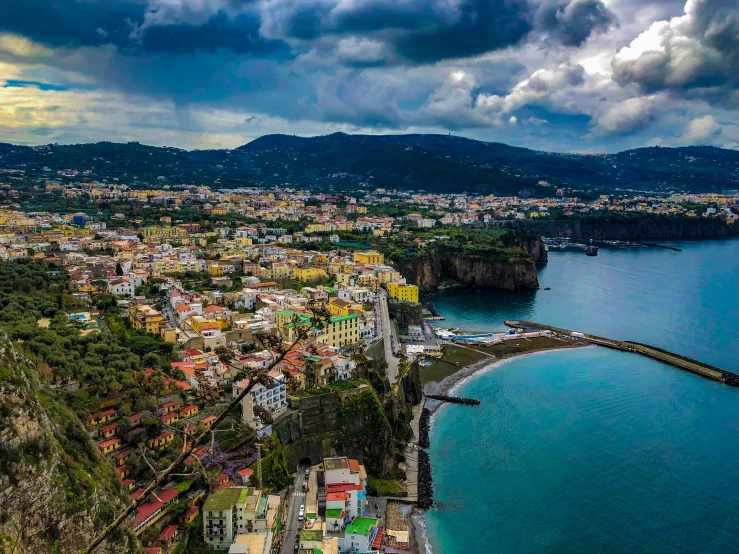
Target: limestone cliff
[[56, 490], [428, 271]]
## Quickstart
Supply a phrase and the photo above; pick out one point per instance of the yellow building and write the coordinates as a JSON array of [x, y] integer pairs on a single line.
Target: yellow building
[[308, 274], [215, 270], [343, 330], [369, 257], [406, 293], [146, 318]]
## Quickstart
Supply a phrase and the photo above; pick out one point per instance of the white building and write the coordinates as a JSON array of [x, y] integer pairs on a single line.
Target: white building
[[271, 398]]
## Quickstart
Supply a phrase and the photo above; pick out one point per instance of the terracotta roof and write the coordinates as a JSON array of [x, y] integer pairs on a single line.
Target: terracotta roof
[[109, 442], [168, 532]]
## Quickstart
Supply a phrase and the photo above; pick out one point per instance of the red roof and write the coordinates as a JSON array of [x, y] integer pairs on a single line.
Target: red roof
[[167, 495], [188, 408], [222, 478], [193, 510], [153, 549], [121, 469], [111, 427], [109, 442], [208, 419], [354, 465], [168, 404], [244, 472], [168, 532], [146, 510], [108, 412], [122, 454], [342, 487], [135, 417], [377, 540], [169, 416], [336, 496], [127, 482], [164, 435], [135, 494]]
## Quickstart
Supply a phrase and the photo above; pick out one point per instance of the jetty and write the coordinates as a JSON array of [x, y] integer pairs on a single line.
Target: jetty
[[454, 399], [670, 358]]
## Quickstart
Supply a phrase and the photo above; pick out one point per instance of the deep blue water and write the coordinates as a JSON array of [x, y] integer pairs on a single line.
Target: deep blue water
[[687, 302], [592, 450]]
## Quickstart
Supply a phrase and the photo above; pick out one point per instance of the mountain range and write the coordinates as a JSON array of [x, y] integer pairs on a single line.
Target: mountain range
[[434, 163]]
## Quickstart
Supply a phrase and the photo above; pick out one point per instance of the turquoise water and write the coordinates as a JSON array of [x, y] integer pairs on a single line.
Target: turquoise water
[[592, 450], [587, 450], [687, 302]]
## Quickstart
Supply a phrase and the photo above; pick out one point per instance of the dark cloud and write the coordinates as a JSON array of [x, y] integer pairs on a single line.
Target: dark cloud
[[239, 34], [427, 31], [71, 22], [572, 24], [122, 23], [696, 55]]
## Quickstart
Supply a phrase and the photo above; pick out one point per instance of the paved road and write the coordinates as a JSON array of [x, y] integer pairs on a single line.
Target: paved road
[[292, 525], [387, 331]]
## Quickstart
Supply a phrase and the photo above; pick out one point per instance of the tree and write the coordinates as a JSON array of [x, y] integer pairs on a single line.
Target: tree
[[271, 341], [224, 354], [118, 269]]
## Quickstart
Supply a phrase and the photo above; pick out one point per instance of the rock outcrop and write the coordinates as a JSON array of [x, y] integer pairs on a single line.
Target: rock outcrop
[[428, 271], [56, 490]]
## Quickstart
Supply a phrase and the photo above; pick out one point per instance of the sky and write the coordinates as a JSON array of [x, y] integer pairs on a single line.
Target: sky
[[555, 75]]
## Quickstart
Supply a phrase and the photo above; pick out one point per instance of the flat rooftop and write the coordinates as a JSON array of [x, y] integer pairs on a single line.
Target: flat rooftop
[[335, 463], [360, 526]]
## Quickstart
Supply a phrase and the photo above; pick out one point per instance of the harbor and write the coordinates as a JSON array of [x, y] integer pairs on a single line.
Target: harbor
[[659, 354]]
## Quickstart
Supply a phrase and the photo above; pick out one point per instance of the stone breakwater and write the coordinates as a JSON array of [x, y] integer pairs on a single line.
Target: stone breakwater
[[425, 481], [424, 425], [454, 399]]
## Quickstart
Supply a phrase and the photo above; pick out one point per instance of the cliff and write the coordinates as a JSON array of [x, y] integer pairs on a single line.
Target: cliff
[[56, 490], [648, 227], [429, 270]]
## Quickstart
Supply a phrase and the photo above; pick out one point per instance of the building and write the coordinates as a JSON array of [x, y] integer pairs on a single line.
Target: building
[[402, 292], [362, 535], [232, 515], [272, 398], [369, 257], [343, 330]]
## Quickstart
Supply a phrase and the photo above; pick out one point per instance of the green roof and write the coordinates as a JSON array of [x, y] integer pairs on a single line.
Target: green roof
[[329, 289], [315, 535], [336, 512], [243, 496], [317, 551], [360, 526], [223, 499], [310, 516], [343, 317], [285, 312]]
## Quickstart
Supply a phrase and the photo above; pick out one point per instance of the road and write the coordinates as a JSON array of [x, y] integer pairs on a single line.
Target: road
[[292, 525], [387, 331]]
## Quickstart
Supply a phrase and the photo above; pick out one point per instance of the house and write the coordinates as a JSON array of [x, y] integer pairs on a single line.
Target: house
[[402, 292], [122, 471], [102, 417], [188, 411], [160, 441], [207, 421], [151, 510], [109, 430], [120, 457], [168, 535], [190, 515], [110, 445], [171, 418], [128, 484], [362, 535], [244, 475]]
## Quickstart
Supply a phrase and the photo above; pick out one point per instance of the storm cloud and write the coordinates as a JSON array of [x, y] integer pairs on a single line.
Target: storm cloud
[[695, 55]]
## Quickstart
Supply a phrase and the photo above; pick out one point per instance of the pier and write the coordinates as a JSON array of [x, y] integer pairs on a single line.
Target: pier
[[670, 358]]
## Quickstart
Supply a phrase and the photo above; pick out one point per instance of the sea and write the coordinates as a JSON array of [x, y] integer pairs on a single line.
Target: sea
[[592, 450]]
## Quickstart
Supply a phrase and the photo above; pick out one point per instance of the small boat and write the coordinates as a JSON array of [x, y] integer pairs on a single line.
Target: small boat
[[591, 251]]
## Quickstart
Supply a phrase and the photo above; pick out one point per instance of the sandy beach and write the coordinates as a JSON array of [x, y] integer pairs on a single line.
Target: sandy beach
[[492, 356]]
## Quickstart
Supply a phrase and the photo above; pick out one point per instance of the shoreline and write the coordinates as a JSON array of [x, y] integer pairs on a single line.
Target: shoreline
[[419, 542]]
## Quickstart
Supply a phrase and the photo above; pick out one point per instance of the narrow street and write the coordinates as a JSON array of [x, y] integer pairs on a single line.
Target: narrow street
[[387, 331], [292, 525]]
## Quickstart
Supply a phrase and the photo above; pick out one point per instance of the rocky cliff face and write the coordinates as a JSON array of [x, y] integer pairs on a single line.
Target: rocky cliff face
[[646, 228], [429, 271], [56, 491]]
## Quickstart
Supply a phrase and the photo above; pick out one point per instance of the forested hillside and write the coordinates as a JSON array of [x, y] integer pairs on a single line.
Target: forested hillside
[[436, 163]]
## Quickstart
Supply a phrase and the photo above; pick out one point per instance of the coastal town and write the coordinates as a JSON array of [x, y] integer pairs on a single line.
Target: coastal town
[[195, 281]]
